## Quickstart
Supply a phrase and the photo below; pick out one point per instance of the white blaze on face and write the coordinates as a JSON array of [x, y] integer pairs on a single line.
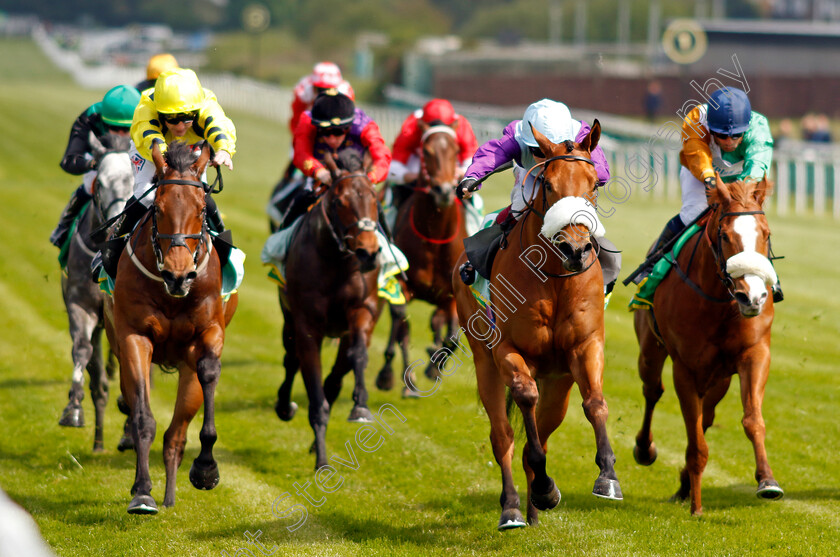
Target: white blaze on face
[[753, 266]]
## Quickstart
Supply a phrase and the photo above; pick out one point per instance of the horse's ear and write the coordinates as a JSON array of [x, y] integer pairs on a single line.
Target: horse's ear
[[329, 162], [721, 191], [591, 140], [545, 143], [761, 190], [200, 163], [96, 146], [157, 158]]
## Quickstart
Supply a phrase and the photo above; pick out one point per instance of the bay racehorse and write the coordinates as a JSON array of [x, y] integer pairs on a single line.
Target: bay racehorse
[[331, 290], [167, 309], [83, 299], [546, 333], [712, 316], [430, 229]]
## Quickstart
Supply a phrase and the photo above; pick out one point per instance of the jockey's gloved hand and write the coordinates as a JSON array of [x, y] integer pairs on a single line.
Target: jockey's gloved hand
[[710, 183], [466, 188]]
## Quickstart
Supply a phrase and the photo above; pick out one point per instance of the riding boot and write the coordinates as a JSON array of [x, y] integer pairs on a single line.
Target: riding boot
[[113, 247], [214, 218], [674, 227], [467, 272], [71, 211]]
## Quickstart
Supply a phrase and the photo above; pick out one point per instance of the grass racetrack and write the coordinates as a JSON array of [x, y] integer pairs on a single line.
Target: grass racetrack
[[432, 487]]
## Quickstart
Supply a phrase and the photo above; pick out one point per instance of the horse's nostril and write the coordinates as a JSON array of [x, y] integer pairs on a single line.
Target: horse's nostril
[[192, 275], [742, 298], [167, 276]]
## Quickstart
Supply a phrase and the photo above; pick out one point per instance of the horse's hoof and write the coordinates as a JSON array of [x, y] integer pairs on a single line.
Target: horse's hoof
[[645, 457], [142, 504], [360, 415], [123, 406], [385, 380], [511, 518], [204, 478], [410, 393], [547, 500], [607, 489], [73, 416], [126, 444], [769, 489], [98, 447], [287, 413], [432, 371]]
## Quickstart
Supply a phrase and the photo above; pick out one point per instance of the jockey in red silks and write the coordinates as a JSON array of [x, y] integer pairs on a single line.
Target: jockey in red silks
[[333, 124], [325, 75], [405, 165]]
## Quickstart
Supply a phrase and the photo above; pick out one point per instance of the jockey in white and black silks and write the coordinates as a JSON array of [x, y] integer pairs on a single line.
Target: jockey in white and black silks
[[112, 114]]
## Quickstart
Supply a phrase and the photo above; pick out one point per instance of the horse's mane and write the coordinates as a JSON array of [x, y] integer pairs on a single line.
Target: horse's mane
[[742, 191], [350, 160], [118, 143], [180, 156]]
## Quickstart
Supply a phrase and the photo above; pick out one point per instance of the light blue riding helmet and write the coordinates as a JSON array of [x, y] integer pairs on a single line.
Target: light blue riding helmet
[[551, 118]]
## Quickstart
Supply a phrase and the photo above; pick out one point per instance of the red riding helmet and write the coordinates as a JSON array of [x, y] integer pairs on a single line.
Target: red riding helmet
[[438, 110]]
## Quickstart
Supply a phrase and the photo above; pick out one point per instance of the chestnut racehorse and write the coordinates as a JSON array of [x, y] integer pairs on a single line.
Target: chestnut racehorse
[[167, 309], [548, 333], [430, 229], [331, 290], [712, 316]]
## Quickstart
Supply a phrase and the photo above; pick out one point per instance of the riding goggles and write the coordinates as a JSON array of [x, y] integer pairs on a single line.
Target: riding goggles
[[335, 131], [179, 118], [728, 135]]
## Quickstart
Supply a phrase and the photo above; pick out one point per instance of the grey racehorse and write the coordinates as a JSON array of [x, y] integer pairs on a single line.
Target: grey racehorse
[[83, 299]]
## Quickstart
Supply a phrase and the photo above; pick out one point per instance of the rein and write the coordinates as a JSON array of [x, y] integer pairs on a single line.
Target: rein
[[717, 249], [436, 240]]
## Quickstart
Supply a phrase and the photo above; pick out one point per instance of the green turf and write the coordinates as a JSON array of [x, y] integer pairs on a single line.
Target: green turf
[[432, 488]]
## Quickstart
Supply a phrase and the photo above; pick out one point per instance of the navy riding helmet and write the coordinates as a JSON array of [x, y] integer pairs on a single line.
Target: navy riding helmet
[[732, 115]]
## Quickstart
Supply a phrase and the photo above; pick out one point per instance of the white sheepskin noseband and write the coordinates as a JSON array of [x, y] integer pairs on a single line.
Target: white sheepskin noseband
[[751, 263], [572, 210]]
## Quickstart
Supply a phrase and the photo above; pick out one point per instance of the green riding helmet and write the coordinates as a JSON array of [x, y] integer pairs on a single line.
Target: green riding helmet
[[118, 104]]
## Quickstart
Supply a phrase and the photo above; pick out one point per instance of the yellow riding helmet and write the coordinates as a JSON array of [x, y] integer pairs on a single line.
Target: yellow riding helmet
[[178, 91], [159, 63]]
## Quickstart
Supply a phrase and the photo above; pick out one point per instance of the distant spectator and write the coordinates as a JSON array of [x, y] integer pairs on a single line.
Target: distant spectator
[[785, 134], [653, 99], [158, 64], [822, 129]]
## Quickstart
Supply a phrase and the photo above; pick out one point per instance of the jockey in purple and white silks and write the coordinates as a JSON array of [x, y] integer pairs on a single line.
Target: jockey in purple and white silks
[[518, 145]]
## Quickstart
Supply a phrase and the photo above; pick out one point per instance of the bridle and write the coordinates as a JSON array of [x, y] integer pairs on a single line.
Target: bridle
[[339, 232], [101, 213], [539, 180], [720, 262], [176, 239]]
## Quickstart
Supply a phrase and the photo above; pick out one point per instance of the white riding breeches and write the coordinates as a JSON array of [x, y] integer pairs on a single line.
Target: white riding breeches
[[693, 196]]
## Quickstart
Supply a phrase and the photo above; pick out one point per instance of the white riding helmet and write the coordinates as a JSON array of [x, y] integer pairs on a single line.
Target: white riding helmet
[[551, 118]]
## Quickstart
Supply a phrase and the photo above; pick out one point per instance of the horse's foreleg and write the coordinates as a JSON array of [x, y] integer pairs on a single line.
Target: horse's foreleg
[[284, 407], [187, 403], [135, 365], [652, 357], [587, 367], [204, 473], [491, 389], [98, 389], [696, 452], [361, 328], [308, 348], [332, 384], [543, 492], [437, 322], [753, 370], [551, 410], [385, 377], [82, 325]]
